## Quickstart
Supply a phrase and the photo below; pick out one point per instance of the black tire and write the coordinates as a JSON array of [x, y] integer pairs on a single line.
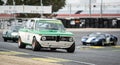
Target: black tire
[[84, 43], [21, 44], [52, 49], [115, 41], [102, 43], [92, 44], [35, 45], [5, 40], [71, 49], [114, 44], [14, 40]]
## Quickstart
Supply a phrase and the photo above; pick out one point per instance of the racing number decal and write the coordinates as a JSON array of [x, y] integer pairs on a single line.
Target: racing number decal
[[28, 37]]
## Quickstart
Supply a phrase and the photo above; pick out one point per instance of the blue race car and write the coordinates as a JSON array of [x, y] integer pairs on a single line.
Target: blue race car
[[99, 39]]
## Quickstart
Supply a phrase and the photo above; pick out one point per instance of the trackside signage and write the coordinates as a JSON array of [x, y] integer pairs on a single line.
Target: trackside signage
[[25, 9]]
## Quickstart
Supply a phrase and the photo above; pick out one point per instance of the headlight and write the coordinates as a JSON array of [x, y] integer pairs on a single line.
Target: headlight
[[14, 34], [43, 38], [70, 39]]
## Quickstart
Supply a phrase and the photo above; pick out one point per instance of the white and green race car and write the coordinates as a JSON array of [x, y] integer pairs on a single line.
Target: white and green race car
[[46, 33]]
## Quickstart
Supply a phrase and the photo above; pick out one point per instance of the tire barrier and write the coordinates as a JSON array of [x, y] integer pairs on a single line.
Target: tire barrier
[[91, 23]]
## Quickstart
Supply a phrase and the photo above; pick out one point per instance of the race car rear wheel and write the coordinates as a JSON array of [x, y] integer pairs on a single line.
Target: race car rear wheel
[[71, 49], [102, 42], [114, 43], [5, 40], [52, 49], [20, 43], [35, 45]]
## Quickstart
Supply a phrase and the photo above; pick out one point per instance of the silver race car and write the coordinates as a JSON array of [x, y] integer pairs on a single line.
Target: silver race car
[[99, 39], [11, 33]]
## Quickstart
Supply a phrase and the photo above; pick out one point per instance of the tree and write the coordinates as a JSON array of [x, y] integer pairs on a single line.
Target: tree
[[1, 2], [56, 4]]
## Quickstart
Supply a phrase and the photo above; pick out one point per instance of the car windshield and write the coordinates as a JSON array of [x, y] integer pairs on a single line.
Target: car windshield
[[15, 28], [96, 35], [49, 25]]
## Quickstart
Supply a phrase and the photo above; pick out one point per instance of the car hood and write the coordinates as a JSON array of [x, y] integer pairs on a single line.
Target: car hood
[[90, 39], [50, 32], [54, 33], [95, 37]]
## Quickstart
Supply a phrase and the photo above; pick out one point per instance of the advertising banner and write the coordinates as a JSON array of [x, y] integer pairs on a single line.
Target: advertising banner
[[25, 9]]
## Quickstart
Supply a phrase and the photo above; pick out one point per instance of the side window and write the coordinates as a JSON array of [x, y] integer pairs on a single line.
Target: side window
[[30, 24]]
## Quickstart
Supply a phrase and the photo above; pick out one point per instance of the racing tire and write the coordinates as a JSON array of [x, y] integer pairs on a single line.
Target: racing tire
[[92, 44], [84, 43], [52, 49], [102, 43], [71, 49], [114, 44], [14, 40], [5, 40], [21, 44], [35, 45]]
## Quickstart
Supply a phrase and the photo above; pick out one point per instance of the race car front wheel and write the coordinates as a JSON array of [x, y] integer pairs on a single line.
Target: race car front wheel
[[71, 49], [5, 40], [114, 43], [84, 43], [35, 45], [102, 42]]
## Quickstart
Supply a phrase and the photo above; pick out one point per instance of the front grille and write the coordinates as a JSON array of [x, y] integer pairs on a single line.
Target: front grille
[[56, 38], [50, 38]]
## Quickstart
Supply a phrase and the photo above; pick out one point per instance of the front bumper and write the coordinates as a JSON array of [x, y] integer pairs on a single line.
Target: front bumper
[[54, 44], [10, 37]]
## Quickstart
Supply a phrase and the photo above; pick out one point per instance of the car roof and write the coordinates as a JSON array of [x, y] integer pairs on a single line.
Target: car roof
[[47, 20], [42, 19]]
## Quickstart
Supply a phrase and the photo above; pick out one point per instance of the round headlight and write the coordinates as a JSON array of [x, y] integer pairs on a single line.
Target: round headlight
[[14, 34], [71, 39], [43, 38]]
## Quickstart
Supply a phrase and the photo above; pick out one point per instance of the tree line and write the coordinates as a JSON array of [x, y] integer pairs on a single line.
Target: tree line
[[56, 4]]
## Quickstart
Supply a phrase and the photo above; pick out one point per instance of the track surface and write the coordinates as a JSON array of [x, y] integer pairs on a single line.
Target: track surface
[[84, 55]]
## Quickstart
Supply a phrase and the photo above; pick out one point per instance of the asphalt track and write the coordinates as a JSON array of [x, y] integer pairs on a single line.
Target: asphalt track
[[84, 55]]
